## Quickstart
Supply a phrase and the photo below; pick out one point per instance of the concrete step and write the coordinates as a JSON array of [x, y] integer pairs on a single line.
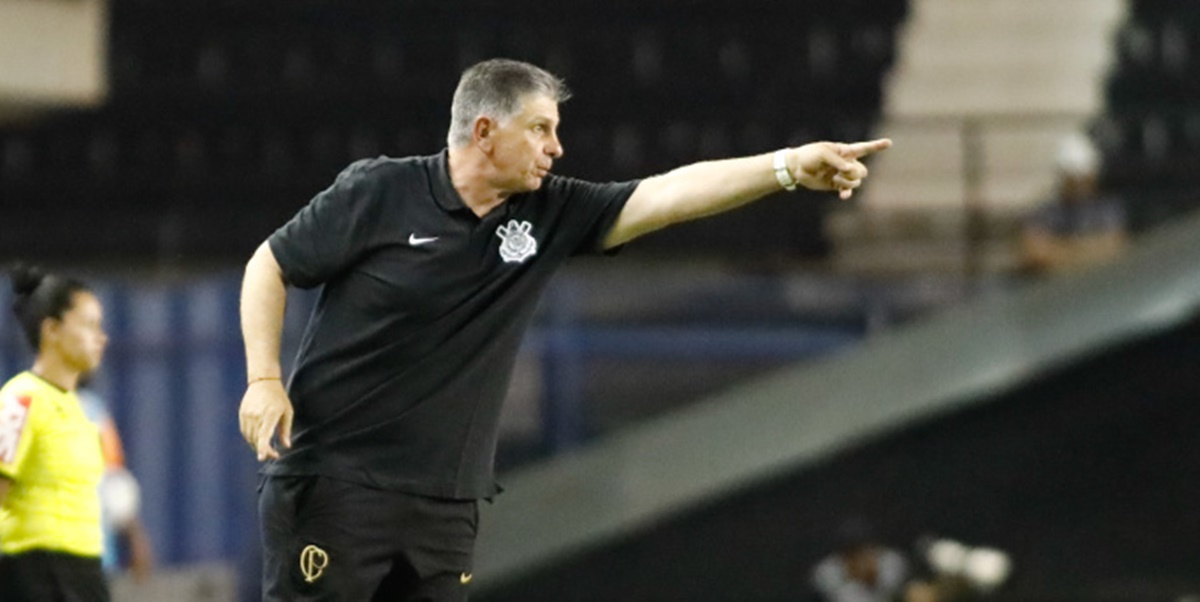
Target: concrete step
[[998, 190], [988, 56], [967, 90], [992, 49], [1018, 14], [927, 167]]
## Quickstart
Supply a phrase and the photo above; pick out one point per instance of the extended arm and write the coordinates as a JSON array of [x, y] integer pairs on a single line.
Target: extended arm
[[711, 187], [265, 407]]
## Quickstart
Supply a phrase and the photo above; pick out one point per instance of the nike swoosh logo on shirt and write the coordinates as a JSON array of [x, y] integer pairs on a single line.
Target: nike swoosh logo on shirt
[[416, 241]]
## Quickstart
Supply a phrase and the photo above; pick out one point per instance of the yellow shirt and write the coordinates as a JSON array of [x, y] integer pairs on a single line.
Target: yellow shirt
[[51, 451]]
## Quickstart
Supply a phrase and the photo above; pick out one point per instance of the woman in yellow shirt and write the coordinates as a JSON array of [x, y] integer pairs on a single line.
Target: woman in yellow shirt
[[50, 455]]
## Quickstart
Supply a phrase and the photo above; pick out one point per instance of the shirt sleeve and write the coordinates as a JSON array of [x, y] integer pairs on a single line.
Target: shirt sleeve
[[16, 432], [594, 208], [333, 231]]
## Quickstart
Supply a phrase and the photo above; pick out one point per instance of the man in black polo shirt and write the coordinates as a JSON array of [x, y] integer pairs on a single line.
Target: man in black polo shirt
[[431, 269]]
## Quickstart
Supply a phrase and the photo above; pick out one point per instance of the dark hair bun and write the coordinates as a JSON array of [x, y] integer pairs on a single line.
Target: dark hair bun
[[25, 279]]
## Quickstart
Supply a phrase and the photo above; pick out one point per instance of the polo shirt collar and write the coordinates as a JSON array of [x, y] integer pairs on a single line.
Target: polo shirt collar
[[443, 189]]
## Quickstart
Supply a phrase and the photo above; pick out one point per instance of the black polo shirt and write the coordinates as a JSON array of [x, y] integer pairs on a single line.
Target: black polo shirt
[[406, 360]]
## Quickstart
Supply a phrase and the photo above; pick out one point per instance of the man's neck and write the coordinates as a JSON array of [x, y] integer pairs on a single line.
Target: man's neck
[[469, 174]]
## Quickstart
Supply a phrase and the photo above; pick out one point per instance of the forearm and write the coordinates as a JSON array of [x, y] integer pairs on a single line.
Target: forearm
[[692, 192], [263, 300]]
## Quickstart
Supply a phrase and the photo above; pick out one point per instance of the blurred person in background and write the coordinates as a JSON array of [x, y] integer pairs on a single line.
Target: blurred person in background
[[119, 496], [863, 569], [50, 456], [1079, 227], [431, 269]]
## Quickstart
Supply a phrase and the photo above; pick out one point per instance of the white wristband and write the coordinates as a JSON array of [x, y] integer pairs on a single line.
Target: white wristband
[[782, 173]]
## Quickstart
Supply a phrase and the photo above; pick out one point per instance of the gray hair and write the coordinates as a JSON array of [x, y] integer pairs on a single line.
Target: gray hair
[[495, 88]]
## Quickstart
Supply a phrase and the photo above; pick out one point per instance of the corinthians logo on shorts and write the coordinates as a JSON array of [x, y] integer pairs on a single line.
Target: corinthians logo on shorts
[[518, 244], [313, 561]]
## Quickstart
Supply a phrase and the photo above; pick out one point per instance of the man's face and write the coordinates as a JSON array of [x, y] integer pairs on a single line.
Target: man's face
[[526, 144]]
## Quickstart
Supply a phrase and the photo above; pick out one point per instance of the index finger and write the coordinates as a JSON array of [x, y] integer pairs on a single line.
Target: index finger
[[862, 149]]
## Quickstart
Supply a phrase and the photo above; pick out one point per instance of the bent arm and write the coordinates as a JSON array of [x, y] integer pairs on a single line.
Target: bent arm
[[263, 300], [712, 187], [265, 409]]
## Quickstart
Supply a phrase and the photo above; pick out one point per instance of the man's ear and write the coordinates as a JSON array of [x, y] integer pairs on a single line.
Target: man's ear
[[483, 132]]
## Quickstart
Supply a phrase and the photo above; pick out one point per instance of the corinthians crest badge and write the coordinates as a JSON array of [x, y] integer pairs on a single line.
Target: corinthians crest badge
[[313, 561], [518, 245]]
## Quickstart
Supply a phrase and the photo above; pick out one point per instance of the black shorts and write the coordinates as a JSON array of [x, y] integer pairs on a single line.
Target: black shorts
[[325, 539], [40, 575]]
